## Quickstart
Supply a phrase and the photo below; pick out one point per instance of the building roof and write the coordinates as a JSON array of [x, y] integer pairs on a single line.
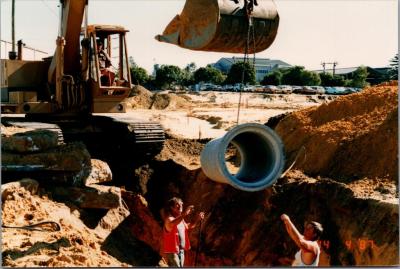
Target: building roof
[[348, 70], [338, 71], [258, 61]]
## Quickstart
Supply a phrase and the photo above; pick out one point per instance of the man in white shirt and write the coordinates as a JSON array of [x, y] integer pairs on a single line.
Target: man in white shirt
[[309, 252]]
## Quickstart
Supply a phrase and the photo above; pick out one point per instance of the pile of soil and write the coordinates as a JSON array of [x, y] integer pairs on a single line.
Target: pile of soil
[[350, 138], [73, 245], [170, 101], [140, 97]]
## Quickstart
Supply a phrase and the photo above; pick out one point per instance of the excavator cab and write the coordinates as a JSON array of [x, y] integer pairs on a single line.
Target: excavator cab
[[107, 68]]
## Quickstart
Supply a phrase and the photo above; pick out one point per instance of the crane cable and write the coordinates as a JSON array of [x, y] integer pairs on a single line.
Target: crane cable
[[250, 29], [41, 226]]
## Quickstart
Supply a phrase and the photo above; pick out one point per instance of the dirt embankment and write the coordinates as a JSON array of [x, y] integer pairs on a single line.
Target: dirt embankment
[[353, 137]]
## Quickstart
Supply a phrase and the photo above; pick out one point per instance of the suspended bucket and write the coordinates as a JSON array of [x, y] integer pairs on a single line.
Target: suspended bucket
[[222, 26], [259, 158]]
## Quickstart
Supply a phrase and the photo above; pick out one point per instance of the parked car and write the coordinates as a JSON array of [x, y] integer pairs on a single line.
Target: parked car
[[227, 88], [349, 90], [270, 89], [248, 88], [297, 89], [285, 89], [318, 89], [258, 88], [308, 90], [331, 90], [341, 90]]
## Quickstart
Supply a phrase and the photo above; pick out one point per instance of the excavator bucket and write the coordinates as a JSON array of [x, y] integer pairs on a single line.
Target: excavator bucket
[[223, 26]]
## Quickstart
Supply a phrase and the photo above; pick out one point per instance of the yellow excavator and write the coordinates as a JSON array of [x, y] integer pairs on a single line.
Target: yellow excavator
[[64, 91]]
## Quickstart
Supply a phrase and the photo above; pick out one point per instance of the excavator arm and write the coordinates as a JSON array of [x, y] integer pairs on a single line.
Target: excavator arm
[[70, 29]]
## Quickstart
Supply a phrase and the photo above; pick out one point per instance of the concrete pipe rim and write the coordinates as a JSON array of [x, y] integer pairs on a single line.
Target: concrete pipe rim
[[276, 147]]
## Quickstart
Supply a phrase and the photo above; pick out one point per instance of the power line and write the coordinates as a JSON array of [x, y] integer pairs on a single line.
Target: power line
[[51, 10]]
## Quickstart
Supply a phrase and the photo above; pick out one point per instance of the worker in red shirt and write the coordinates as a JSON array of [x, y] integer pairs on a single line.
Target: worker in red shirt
[[175, 232]]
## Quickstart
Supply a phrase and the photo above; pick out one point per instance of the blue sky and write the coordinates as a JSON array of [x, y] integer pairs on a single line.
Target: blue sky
[[350, 32]]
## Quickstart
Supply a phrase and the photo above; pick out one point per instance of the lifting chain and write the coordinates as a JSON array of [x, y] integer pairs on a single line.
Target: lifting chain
[[248, 7]]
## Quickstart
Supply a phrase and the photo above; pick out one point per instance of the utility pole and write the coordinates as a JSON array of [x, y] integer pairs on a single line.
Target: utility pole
[[12, 55], [334, 66], [323, 65]]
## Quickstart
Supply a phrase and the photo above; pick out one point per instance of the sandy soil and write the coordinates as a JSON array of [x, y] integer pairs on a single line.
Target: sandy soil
[[75, 245], [211, 114]]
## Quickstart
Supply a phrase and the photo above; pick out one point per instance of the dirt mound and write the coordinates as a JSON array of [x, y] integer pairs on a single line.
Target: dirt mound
[[353, 137], [73, 245], [140, 97], [185, 152], [169, 101]]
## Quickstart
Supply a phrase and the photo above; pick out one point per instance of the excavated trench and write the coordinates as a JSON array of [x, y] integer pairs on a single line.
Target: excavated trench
[[244, 228]]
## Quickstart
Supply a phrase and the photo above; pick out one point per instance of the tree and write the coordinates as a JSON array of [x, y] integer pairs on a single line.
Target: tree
[[328, 79], [168, 75], [273, 78], [298, 76], [190, 67], [394, 71], [310, 78], [208, 74], [359, 79], [139, 75], [236, 72], [188, 74]]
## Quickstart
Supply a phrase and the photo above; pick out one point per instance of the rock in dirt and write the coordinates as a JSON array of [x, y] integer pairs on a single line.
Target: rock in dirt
[[26, 183], [95, 196], [29, 141], [65, 163], [143, 224], [112, 219], [100, 172]]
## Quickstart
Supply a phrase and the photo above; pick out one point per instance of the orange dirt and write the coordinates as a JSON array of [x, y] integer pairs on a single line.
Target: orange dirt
[[352, 137]]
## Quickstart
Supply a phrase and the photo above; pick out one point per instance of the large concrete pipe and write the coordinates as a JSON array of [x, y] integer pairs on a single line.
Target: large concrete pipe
[[261, 157]]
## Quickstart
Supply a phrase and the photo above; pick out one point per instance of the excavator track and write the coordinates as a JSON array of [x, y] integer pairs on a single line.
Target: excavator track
[[143, 139], [121, 142]]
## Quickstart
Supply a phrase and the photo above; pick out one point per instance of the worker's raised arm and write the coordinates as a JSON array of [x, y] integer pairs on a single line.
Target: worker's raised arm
[[296, 236], [171, 222], [199, 217]]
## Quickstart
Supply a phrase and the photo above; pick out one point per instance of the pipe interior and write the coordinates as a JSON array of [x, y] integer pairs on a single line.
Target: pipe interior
[[257, 157], [233, 158]]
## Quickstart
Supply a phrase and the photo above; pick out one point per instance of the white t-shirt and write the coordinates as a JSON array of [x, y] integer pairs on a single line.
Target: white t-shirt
[[298, 261]]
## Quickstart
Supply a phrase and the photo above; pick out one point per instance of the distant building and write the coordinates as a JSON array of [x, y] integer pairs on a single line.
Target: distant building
[[375, 75], [262, 66]]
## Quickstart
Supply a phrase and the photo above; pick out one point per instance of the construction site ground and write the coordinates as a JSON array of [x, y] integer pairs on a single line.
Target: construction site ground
[[347, 180]]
